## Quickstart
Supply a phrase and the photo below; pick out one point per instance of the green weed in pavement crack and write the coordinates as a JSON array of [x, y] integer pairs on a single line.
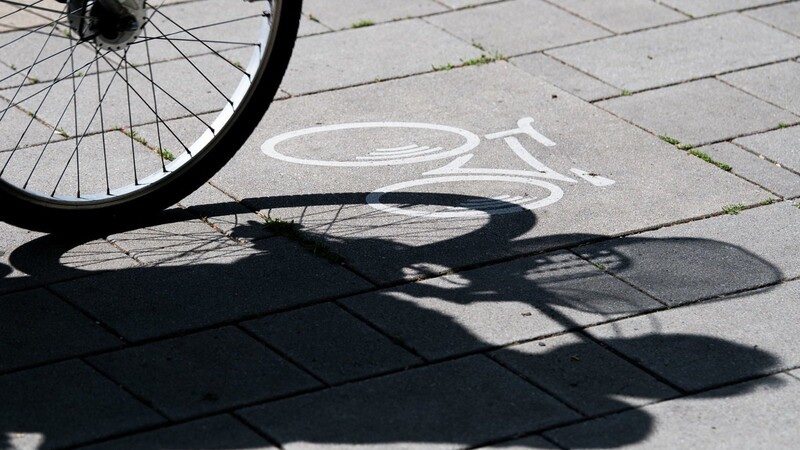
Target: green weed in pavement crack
[[291, 230]]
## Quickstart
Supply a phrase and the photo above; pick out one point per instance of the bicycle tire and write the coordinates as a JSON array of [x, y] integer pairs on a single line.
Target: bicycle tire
[[24, 207]]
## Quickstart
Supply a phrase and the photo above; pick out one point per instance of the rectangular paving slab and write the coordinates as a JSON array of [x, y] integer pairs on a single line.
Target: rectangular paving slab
[[567, 78], [623, 16], [39, 327], [778, 146], [679, 52], [221, 285], [776, 83], [498, 305], [716, 342], [783, 16], [583, 374], [215, 432], [707, 258], [538, 26], [364, 55], [760, 414], [331, 343], [756, 169], [348, 13], [442, 211], [67, 404], [203, 373], [450, 405], [697, 8], [699, 112]]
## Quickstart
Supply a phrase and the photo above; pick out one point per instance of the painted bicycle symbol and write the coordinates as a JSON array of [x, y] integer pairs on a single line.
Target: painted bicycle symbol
[[457, 144]]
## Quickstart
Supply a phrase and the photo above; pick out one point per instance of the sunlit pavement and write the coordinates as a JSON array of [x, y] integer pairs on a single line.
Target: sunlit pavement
[[546, 224]]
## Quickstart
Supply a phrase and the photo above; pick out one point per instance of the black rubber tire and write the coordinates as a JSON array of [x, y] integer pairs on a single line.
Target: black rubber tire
[[20, 209]]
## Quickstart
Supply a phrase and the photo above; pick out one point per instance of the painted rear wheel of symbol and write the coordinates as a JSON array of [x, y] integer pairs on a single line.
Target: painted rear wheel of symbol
[[470, 206], [401, 153]]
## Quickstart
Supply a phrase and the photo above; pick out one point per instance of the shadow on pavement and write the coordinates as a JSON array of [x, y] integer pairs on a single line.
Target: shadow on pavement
[[443, 376]]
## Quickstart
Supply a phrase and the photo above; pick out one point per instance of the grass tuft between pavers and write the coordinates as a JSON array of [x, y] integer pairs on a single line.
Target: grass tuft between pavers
[[734, 209], [705, 157]]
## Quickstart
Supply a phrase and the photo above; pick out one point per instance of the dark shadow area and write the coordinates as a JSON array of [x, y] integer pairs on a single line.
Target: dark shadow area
[[402, 366]]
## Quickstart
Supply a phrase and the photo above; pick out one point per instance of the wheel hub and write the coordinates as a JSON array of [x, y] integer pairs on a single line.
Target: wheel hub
[[111, 24]]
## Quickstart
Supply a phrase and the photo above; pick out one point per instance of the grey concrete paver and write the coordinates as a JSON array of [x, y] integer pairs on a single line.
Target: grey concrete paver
[[206, 289], [329, 203], [777, 84], [759, 414], [567, 78], [779, 146], [351, 57], [464, 3], [734, 253], [526, 443], [756, 169], [215, 432], [464, 402], [203, 373], [699, 112], [698, 8], [66, 404], [227, 216], [585, 375], [679, 52], [783, 16], [623, 16], [331, 343], [310, 26], [38, 327], [500, 304], [721, 341], [345, 13], [20, 129], [538, 26], [29, 259]]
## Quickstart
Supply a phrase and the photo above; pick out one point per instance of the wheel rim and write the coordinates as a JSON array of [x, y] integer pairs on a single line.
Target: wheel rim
[[87, 126]]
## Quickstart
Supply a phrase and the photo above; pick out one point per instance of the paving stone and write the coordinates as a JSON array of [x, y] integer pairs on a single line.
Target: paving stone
[[221, 286], [228, 216], [583, 374], [699, 112], [19, 128], [488, 26], [565, 77], [345, 13], [779, 146], [328, 204], [450, 405], [464, 3], [29, 258], [39, 327], [526, 443], [309, 27], [714, 343], [203, 373], [215, 432], [64, 405], [755, 169], [707, 258], [783, 16], [697, 8], [179, 237], [336, 60], [498, 305], [759, 414], [331, 343], [622, 16], [777, 84], [679, 52]]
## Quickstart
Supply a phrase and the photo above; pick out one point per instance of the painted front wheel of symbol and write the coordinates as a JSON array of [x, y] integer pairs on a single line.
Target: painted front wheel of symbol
[[126, 128], [380, 157], [470, 207]]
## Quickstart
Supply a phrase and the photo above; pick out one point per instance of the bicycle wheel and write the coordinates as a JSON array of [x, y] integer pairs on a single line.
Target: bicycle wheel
[[111, 109]]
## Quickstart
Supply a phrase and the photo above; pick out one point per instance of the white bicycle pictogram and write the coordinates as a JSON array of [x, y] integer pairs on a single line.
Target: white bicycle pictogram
[[541, 176]]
